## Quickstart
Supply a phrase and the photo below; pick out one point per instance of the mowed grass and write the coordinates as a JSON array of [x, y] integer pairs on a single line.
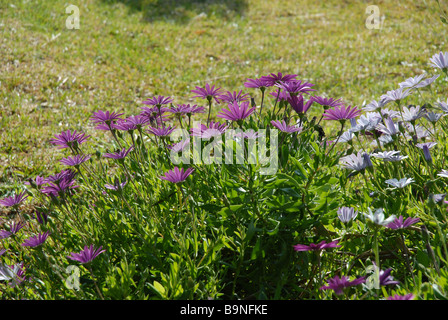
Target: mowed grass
[[53, 78]]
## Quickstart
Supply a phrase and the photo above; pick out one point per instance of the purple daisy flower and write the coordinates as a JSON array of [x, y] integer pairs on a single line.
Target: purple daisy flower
[[161, 132], [179, 146], [282, 96], [36, 182], [237, 97], [339, 284], [158, 101], [134, 122], [315, 247], [75, 160], [209, 93], [341, 113], [13, 229], [14, 200], [282, 126], [189, 110], [212, 130], [66, 174], [346, 214], [236, 112], [295, 87], [60, 188], [273, 78], [36, 240], [87, 255], [386, 279], [104, 120], [257, 83], [116, 186], [440, 60], [67, 139], [328, 102], [398, 223], [408, 296], [41, 217], [119, 154], [297, 103], [176, 175]]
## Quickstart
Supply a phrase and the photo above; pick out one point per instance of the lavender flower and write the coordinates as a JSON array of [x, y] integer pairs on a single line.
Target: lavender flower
[[209, 93], [297, 103], [339, 284], [13, 229], [367, 122], [443, 105], [161, 132], [75, 160], [355, 162], [389, 127], [282, 126], [67, 139], [36, 240], [328, 102], [398, 223], [433, 117], [104, 120], [389, 156], [36, 182], [341, 113], [425, 147], [346, 214], [15, 200], [417, 82], [60, 188], [273, 78], [257, 83], [395, 95], [347, 136], [158, 101], [316, 247], [214, 129], [87, 255], [378, 217], [236, 112], [400, 183], [135, 122], [443, 173], [41, 217], [408, 296], [412, 113], [295, 87], [119, 154], [385, 279], [440, 61], [117, 186], [176, 175], [237, 97], [374, 105]]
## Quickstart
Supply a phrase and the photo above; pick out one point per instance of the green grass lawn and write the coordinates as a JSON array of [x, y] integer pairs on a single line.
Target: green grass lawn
[[52, 78]]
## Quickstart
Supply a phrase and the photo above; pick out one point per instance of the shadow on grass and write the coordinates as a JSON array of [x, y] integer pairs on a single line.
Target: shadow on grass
[[182, 11]]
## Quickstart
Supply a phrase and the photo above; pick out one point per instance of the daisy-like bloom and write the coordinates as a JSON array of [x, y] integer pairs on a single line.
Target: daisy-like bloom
[[378, 217], [389, 127], [341, 113], [440, 61], [60, 188], [66, 174], [282, 126], [339, 284], [36, 182], [408, 296], [328, 102], [316, 247], [411, 82], [257, 83], [273, 78], [395, 95], [179, 146], [119, 154], [400, 183], [134, 122], [297, 103], [282, 96], [104, 120], [189, 110], [412, 113], [87, 255], [389, 156], [295, 87], [15, 274], [15, 200], [347, 136], [346, 214], [433, 117], [117, 186], [373, 106], [208, 92], [237, 97], [41, 217], [385, 279], [443, 105], [236, 112], [425, 147], [176, 175], [214, 129], [367, 122], [400, 223], [443, 173], [75, 160], [13, 229], [355, 162], [36, 240], [161, 132], [158, 101], [388, 113], [67, 139]]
